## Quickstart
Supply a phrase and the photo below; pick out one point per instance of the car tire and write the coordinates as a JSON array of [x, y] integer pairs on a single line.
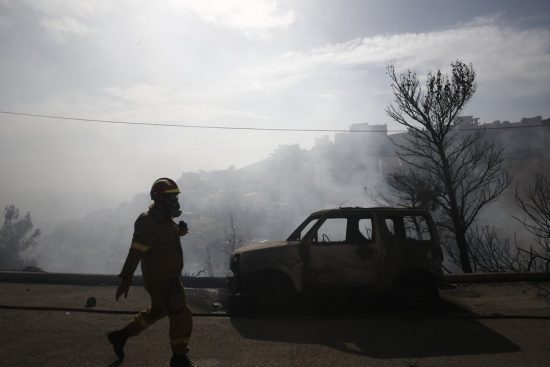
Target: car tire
[[418, 291], [274, 294]]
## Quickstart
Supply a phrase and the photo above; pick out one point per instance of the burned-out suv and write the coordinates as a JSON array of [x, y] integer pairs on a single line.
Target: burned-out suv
[[367, 249]]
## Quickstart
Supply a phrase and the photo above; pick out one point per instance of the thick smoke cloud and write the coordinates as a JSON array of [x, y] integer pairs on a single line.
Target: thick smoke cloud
[[265, 200], [268, 199]]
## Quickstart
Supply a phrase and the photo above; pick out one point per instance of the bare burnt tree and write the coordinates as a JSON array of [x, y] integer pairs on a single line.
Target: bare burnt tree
[[491, 253], [468, 167], [218, 253], [233, 237], [535, 204], [16, 236], [408, 188], [196, 274], [218, 261], [209, 264], [233, 240]]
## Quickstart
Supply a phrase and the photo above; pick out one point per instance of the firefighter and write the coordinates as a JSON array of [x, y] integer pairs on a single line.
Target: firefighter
[[156, 243]]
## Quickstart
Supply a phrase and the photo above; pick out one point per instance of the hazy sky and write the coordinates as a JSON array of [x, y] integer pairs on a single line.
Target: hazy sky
[[260, 63]]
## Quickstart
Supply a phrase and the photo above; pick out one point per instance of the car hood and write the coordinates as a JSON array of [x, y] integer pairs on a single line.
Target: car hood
[[263, 245]]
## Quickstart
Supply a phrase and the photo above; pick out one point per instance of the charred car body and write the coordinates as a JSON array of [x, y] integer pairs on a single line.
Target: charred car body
[[371, 249]]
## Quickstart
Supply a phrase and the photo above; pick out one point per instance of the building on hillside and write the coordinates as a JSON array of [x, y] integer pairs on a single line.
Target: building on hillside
[[523, 140]]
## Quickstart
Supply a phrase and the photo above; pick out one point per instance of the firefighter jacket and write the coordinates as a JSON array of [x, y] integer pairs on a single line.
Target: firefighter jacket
[[156, 243]]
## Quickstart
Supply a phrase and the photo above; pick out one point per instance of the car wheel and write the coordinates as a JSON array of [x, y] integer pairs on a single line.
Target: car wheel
[[275, 295], [419, 291]]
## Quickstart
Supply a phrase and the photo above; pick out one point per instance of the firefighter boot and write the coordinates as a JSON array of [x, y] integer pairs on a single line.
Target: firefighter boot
[[181, 360], [118, 339]]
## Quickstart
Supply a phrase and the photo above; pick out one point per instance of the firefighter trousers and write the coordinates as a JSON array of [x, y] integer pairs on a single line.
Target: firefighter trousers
[[167, 299]]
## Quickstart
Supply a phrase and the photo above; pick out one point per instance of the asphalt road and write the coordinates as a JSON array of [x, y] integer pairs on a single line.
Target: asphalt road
[[475, 325]]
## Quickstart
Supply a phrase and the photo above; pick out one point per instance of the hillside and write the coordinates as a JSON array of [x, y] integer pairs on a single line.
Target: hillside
[[266, 200]]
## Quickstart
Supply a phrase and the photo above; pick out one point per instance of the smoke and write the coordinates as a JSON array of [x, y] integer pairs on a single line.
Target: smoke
[[266, 201], [263, 201]]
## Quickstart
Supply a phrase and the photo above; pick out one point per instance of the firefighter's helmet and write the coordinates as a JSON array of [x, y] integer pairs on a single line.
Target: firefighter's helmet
[[164, 193], [163, 186]]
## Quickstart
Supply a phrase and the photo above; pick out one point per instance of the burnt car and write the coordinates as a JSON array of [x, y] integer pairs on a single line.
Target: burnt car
[[372, 250]]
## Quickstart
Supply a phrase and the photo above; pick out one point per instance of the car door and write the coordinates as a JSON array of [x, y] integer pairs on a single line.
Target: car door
[[343, 252]]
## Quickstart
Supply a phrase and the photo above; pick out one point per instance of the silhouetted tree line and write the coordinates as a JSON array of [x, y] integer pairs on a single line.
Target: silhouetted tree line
[[16, 237]]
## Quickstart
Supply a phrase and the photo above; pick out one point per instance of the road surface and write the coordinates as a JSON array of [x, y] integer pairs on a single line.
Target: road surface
[[475, 325]]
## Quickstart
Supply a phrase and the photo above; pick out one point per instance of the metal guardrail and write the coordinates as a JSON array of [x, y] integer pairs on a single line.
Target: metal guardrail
[[97, 279], [496, 277], [220, 282]]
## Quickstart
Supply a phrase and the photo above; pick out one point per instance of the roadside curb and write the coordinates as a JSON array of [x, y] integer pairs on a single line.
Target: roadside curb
[[220, 282], [459, 316]]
